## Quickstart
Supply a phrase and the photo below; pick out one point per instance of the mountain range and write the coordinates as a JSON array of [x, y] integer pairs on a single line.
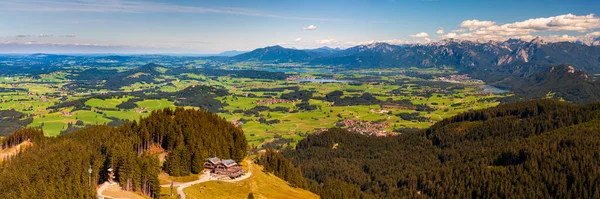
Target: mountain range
[[491, 61], [230, 53]]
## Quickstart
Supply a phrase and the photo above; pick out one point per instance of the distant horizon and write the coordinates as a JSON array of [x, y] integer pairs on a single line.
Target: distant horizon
[[208, 27], [140, 51]]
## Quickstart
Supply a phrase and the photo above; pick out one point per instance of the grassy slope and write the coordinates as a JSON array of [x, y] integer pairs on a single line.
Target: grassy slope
[[165, 179], [108, 103], [6, 153], [117, 192], [262, 185]]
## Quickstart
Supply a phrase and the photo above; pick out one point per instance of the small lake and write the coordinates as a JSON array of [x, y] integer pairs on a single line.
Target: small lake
[[293, 69], [492, 89], [324, 80]]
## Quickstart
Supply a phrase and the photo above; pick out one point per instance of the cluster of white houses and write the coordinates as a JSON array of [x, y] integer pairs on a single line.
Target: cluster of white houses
[[223, 167]]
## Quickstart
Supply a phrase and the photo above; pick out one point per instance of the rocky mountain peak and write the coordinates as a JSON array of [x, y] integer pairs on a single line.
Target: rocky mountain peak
[[537, 41], [562, 69]]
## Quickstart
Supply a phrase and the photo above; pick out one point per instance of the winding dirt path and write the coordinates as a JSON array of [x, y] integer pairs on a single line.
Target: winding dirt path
[[205, 177], [101, 189], [114, 191]]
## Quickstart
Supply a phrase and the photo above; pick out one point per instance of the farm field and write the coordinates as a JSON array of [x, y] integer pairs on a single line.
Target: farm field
[[368, 99], [395, 102]]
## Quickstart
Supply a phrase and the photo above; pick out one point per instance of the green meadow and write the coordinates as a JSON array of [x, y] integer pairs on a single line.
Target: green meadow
[[293, 124]]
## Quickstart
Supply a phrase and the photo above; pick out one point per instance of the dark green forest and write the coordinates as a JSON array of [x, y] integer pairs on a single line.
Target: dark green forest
[[12, 120], [57, 167], [534, 149], [559, 82], [276, 163]]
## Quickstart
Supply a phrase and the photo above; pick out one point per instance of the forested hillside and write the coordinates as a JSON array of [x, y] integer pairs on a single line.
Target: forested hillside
[[535, 149], [57, 167], [559, 82], [11, 120]]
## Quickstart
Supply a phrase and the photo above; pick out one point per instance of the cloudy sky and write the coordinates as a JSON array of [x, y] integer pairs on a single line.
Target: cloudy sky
[[195, 26]]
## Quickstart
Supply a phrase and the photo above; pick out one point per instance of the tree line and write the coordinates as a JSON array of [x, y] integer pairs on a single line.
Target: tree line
[[57, 167], [276, 163], [541, 148]]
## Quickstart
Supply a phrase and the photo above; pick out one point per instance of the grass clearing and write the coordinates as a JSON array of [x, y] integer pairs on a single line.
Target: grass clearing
[[108, 103], [166, 179], [260, 184], [156, 104]]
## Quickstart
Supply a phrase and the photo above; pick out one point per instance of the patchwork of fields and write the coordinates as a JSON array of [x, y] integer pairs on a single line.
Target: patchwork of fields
[[288, 120]]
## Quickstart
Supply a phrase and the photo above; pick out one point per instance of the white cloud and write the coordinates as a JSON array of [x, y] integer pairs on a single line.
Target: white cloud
[[311, 27], [393, 41], [298, 39], [450, 35], [420, 35], [594, 34], [568, 22], [440, 31], [557, 38], [476, 30], [333, 43], [325, 41], [474, 24], [460, 30], [389, 41], [43, 35]]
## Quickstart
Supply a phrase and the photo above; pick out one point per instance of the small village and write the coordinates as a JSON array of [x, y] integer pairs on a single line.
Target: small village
[[237, 123], [273, 101], [365, 128], [460, 79], [298, 78]]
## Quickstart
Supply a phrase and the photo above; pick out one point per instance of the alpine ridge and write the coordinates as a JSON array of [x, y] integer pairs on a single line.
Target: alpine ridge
[[510, 58]]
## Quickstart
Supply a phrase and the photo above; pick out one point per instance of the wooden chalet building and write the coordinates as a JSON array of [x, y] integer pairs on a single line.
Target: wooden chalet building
[[211, 163], [223, 167]]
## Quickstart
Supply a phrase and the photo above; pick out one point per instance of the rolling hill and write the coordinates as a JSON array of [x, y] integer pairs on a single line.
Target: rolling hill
[[276, 54], [541, 148], [559, 82]]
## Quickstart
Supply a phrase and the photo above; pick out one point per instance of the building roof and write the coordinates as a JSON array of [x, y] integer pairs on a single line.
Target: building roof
[[229, 162], [214, 160]]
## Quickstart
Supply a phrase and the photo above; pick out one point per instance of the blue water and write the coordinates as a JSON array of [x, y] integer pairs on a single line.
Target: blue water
[[294, 70], [324, 80], [492, 89]]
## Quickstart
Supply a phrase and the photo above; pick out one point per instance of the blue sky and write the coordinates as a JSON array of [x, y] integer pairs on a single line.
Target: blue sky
[[213, 26]]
